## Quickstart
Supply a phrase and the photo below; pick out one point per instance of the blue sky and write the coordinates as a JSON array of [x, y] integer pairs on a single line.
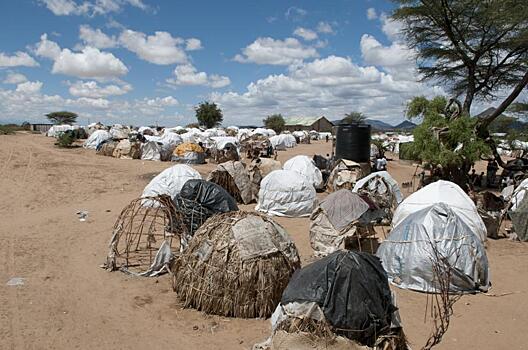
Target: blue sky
[[146, 62]]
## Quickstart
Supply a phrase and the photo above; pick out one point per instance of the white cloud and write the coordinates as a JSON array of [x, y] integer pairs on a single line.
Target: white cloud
[[29, 87], [371, 13], [47, 48], [96, 38], [396, 59], [193, 44], [89, 63], [18, 59], [187, 74], [390, 27], [325, 27], [330, 86], [161, 48], [14, 78], [295, 13], [306, 34], [218, 81], [92, 89], [90, 8], [276, 52]]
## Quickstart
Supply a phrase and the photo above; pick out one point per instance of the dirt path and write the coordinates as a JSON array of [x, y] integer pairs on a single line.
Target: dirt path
[[68, 302]]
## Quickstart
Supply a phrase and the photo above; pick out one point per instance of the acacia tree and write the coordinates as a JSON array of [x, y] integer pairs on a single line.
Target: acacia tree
[[62, 117], [475, 48], [354, 117], [275, 122], [209, 115], [444, 140]]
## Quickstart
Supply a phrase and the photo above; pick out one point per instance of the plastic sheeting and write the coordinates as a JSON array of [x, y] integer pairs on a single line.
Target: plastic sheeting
[[119, 132], [443, 192], [352, 290], [151, 151], [209, 195], [286, 193], [240, 177], [55, 130], [368, 183], [282, 141], [408, 255], [518, 194], [333, 221], [170, 181], [519, 219], [96, 138], [307, 168]]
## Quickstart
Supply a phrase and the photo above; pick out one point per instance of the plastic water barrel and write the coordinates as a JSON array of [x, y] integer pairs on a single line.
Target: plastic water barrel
[[353, 142]]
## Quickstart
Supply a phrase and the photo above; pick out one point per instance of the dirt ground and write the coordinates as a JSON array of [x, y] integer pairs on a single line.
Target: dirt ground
[[68, 302]]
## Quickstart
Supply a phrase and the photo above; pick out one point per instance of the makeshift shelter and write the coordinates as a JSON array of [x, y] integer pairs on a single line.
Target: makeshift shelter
[[343, 297], [286, 193], [382, 190], [151, 150], [141, 242], [224, 148], [237, 265], [107, 147], [519, 218], [336, 219], [307, 168], [170, 181], [345, 174], [197, 201], [119, 132], [282, 141], [96, 138], [234, 178], [434, 236], [518, 194], [443, 192], [127, 150], [188, 153]]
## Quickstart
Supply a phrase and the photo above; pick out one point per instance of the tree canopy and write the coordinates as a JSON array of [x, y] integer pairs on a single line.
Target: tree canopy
[[354, 117], [443, 140], [62, 117], [475, 48], [209, 115], [274, 122]]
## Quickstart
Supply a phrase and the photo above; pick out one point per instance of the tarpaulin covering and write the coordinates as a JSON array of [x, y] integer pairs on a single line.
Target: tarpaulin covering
[[519, 219], [96, 138], [170, 181], [151, 151], [370, 184], [352, 290], [286, 193], [240, 177], [307, 168], [408, 254], [209, 195], [443, 192]]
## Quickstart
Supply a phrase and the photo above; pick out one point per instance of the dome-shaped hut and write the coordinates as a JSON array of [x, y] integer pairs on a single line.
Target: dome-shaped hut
[[307, 168], [286, 193], [237, 264]]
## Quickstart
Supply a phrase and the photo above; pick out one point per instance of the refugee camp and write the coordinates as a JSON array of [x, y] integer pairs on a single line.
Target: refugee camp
[[266, 175]]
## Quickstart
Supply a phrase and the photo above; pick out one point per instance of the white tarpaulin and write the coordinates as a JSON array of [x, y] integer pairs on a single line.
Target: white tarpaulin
[[282, 141], [443, 192], [518, 194], [306, 167], [55, 130], [96, 139], [366, 181], [286, 193], [170, 181], [151, 151], [408, 254]]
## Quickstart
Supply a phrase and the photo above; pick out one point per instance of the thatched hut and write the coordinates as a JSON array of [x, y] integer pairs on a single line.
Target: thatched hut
[[234, 178], [237, 264]]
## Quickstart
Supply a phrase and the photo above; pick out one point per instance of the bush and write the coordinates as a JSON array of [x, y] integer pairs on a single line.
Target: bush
[[65, 140]]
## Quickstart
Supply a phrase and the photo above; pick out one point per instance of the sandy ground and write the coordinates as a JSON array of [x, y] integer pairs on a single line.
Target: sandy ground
[[68, 302]]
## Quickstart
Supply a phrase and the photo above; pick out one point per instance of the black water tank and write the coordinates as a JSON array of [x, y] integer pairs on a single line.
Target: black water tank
[[353, 142]]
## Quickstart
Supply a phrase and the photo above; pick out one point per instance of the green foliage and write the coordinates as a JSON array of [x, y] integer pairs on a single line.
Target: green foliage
[[209, 115], [274, 122], [354, 117], [443, 150], [7, 130], [65, 140], [62, 117]]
